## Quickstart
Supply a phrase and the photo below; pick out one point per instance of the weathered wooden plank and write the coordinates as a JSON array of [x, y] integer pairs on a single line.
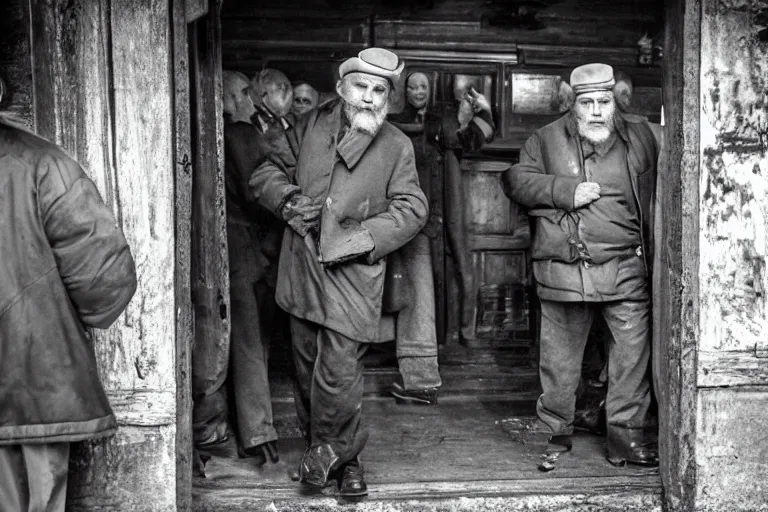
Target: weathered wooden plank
[[733, 271], [132, 471], [183, 274], [676, 297], [15, 62], [210, 263], [144, 144], [143, 408], [720, 368], [292, 28], [731, 452], [570, 55]]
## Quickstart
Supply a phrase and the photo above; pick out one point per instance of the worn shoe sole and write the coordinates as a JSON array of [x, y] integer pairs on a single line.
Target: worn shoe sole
[[403, 398], [620, 463]]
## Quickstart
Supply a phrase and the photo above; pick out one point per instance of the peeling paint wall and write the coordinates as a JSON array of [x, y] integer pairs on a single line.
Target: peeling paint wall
[[734, 175], [731, 453]]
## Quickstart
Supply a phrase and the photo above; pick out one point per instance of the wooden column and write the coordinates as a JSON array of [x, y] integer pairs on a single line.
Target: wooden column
[[675, 304], [732, 373], [711, 280], [103, 74]]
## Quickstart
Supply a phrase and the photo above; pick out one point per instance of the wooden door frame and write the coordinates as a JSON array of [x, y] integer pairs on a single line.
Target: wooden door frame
[[676, 293]]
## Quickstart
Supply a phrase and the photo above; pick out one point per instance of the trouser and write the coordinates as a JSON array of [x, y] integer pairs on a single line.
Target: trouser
[[250, 297], [564, 331], [33, 477], [416, 338], [329, 388], [245, 367]]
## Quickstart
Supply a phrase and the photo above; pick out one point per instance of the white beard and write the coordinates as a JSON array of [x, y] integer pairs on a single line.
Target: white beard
[[596, 135], [364, 119]]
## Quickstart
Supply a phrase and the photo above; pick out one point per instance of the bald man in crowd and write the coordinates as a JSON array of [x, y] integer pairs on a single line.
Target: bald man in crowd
[[305, 99]]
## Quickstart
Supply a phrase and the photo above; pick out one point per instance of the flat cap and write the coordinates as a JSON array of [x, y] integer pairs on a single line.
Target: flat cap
[[592, 77], [373, 61]]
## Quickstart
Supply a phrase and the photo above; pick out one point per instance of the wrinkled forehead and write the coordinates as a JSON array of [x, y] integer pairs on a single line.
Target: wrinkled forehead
[[365, 78], [417, 79], [595, 96]]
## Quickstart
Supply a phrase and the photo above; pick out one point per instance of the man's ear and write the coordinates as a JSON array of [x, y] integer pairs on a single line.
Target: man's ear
[[565, 97], [338, 86]]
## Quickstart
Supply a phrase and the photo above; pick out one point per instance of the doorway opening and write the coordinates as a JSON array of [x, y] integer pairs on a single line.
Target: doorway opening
[[472, 444]]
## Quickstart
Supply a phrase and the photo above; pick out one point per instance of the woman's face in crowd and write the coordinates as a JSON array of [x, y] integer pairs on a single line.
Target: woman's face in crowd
[[417, 90]]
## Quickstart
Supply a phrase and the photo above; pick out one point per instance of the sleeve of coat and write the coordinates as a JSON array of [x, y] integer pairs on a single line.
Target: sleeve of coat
[[407, 211], [528, 183], [92, 255], [270, 186]]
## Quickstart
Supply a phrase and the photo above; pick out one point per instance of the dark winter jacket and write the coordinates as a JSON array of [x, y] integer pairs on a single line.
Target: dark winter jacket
[[64, 266], [550, 168]]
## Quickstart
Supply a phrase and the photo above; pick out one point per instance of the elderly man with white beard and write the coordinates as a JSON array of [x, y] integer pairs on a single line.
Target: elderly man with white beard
[[588, 181], [353, 199]]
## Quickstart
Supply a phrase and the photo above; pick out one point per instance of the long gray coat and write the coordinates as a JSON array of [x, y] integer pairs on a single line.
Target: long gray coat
[[370, 181]]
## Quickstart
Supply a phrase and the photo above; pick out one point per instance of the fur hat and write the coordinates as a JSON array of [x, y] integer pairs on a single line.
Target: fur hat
[[374, 61]]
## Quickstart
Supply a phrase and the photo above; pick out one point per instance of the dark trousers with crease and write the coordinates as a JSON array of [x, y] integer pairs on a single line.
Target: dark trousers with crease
[[329, 388], [250, 297], [564, 330]]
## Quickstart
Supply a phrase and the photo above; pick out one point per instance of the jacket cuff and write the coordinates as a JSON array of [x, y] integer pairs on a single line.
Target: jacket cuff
[[291, 190], [563, 189]]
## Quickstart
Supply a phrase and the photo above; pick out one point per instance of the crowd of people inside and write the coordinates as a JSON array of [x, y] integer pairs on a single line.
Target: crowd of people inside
[[335, 214]]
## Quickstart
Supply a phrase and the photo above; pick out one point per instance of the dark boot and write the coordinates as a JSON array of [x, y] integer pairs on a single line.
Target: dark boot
[[316, 465], [352, 482], [630, 446]]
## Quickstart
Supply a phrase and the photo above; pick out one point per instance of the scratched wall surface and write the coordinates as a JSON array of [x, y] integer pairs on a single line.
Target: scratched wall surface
[[731, 458], [734, 174], [103, 91]]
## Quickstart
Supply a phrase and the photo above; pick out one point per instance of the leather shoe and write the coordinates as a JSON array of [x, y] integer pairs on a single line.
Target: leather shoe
[[647, 456], [628, 446], [352, 483], [414, 396], [316, 465]]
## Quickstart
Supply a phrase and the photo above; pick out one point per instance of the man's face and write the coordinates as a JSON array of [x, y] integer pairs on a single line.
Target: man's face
[[278, 97], [241, 106], [305, 99], [594, 113], [417, 90], [365, 100]]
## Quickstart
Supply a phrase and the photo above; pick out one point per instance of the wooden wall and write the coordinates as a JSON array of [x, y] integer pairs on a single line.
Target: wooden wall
[[105, 90], [307, 39], [731, 455]]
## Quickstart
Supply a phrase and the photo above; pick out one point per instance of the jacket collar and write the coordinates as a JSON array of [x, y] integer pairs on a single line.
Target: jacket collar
[[263, 119], [352, 146]]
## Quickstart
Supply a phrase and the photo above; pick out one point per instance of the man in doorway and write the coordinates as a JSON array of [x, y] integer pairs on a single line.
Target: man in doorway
[[354, 198], [305, 99], [252, 133], [64, 266], [588, 180], [438, 139]]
